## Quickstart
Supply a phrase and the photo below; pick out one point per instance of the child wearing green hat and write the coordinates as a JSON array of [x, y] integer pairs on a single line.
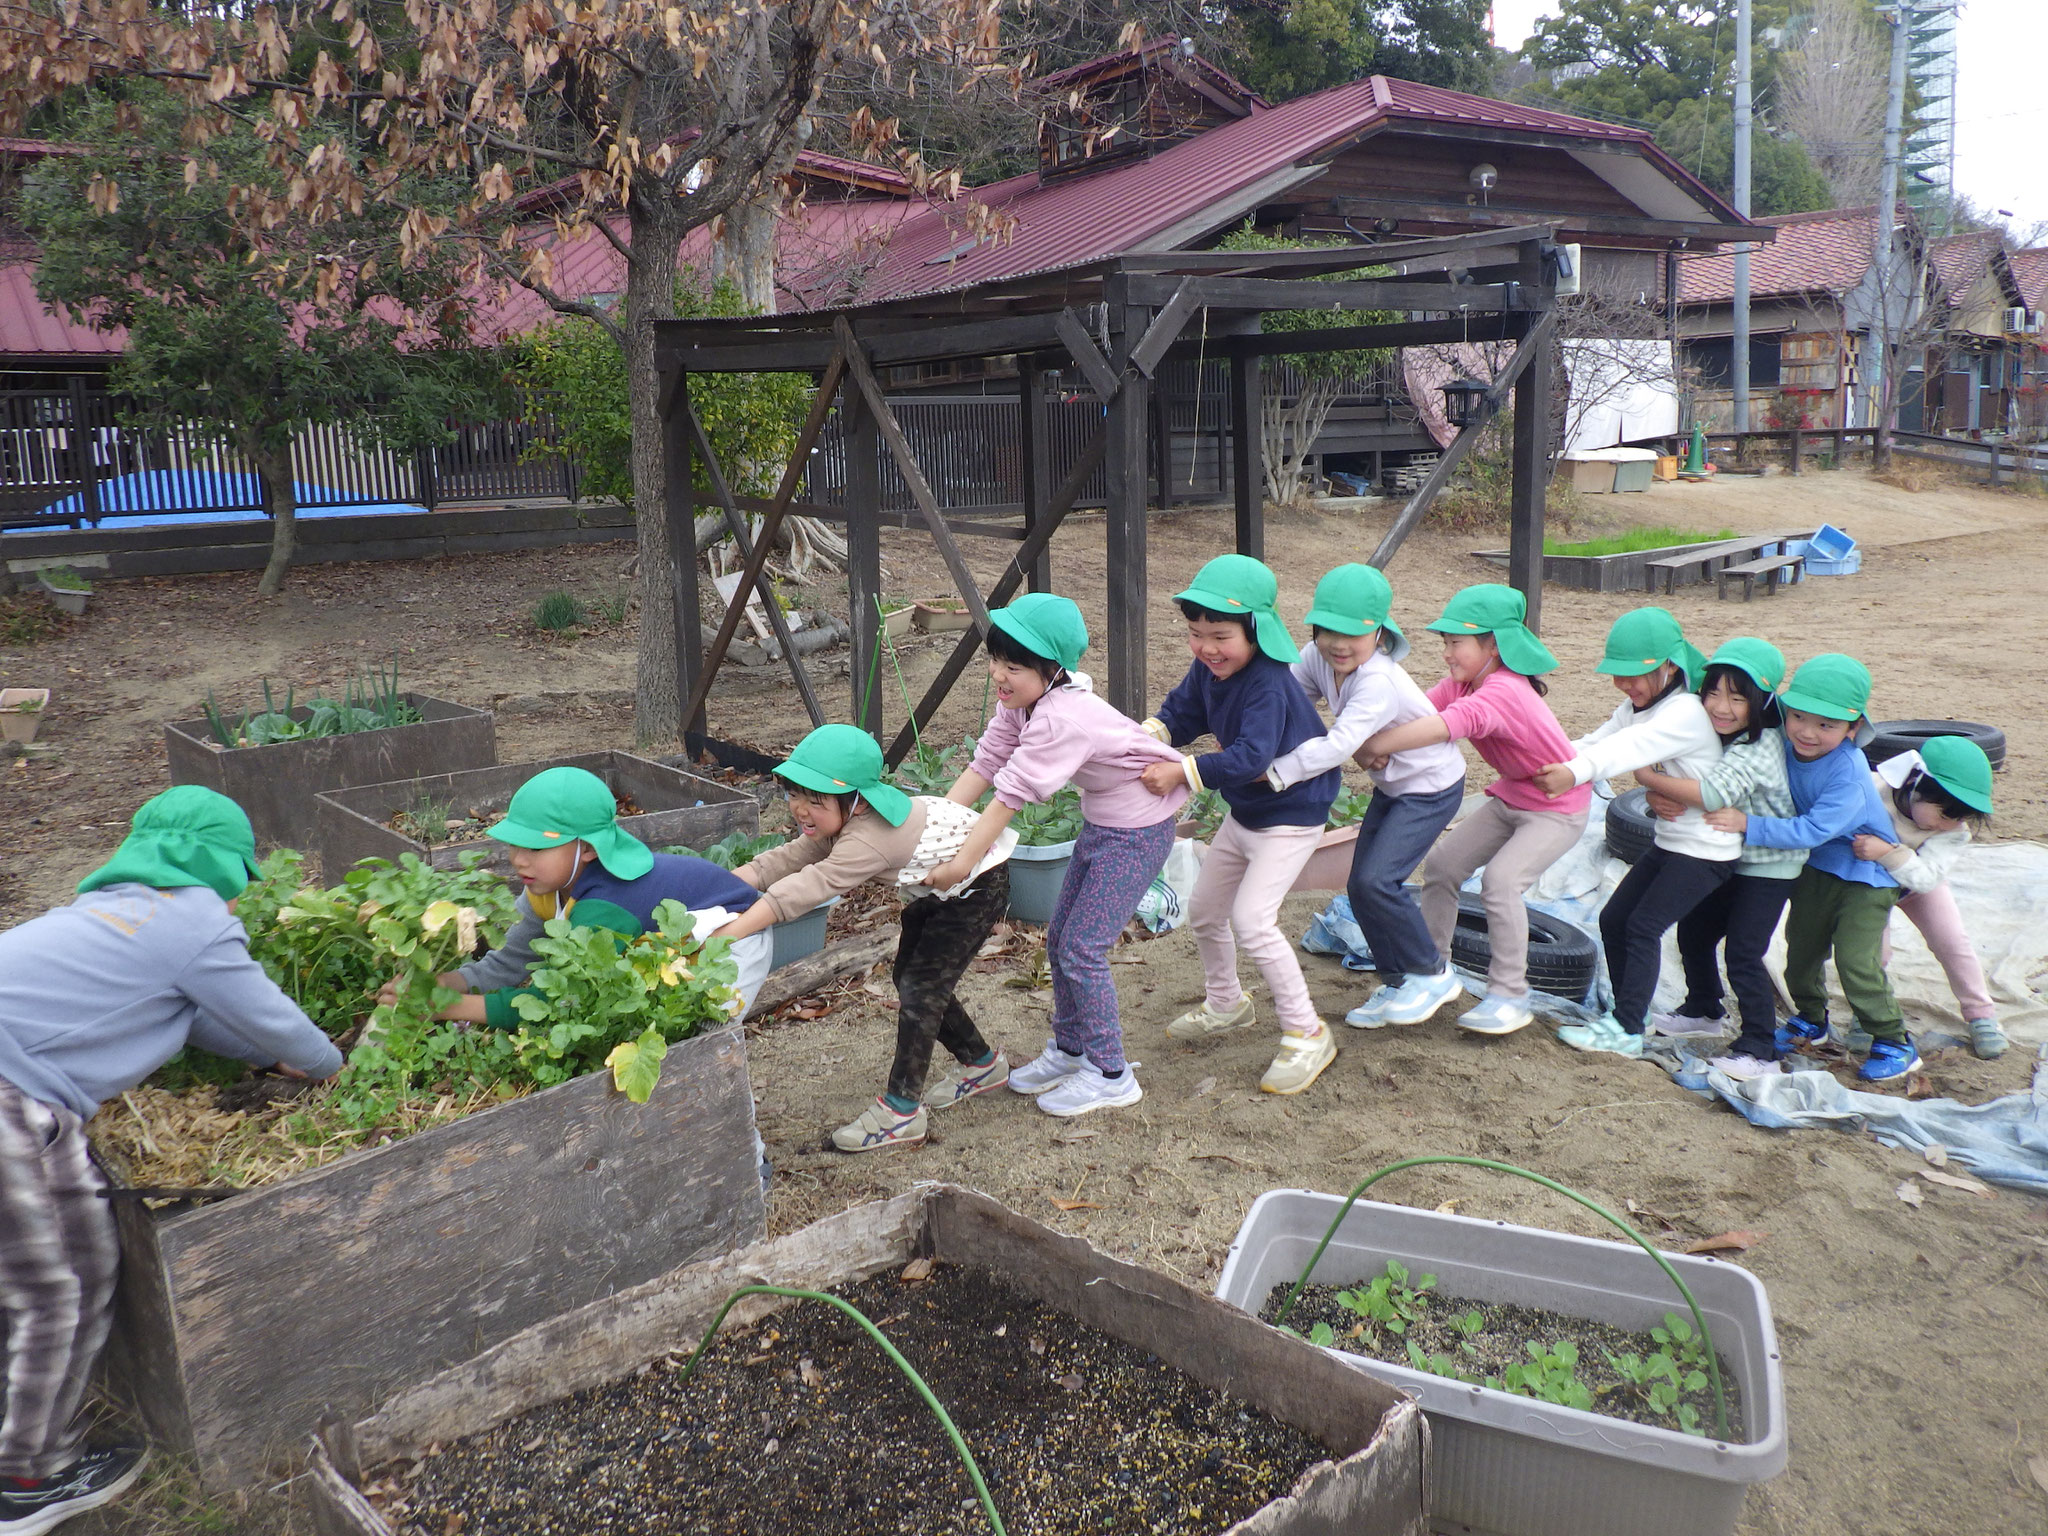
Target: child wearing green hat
[[94, 997], [1050, 729], [1935, 797], [1355, 663], [571, 856], [1840, 901], [1493, 698], [853, 826], [1741, 916], [1660, 723], [1241, 690]]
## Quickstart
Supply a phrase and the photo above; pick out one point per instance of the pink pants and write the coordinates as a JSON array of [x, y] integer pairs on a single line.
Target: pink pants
[[1243, 881], [1940, 923]]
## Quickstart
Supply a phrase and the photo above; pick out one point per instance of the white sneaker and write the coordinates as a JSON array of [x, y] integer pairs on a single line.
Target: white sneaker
[[1415, 1001], [1300, 1061], [1686, 1024], [1051, 1067], [1086, 1089], [1200, 1022], [1743, 1068], [1497, 1015]]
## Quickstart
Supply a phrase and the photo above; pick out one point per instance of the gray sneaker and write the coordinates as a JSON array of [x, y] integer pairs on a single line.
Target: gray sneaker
[[964, 1082], [879, 1127]]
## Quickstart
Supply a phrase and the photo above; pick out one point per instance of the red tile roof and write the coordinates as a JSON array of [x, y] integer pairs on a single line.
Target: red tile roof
[[28, 328], [2031, 268], [1090, 216], [1959, 260], [1826, 252]]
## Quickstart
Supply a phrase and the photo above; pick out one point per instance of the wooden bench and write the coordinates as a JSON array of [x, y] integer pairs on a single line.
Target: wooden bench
[[1710, 557], [1773, 570]]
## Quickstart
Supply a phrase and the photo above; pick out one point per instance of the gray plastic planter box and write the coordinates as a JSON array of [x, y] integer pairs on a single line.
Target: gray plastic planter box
[[675, 807], [800, 936], [276, 784], [1505, 1465], [1035, 878], [1371, 1485]]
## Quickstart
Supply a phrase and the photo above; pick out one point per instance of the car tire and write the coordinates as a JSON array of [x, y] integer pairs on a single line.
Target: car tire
[[1562, 956], [1631, 829], [1895, 736]]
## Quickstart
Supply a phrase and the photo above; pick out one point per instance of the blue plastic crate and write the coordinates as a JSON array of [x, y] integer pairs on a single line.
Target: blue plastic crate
[[1830, 544]]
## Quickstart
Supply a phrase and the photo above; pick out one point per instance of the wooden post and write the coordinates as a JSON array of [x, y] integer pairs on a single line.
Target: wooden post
[[1035, 438], [1531, 475], [1162, 437], [1841, 445], [864, 556], [681, 509], [1798, 448], [1125, 472], [1997, 465], [1247, 472], [81, 447]]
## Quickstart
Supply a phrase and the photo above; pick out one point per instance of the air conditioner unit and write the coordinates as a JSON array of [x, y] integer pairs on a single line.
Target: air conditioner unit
[[2016, 321], [2037, 320]]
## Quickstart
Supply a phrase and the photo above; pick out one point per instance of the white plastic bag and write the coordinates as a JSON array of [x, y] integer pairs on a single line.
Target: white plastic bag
[[1164, 906]]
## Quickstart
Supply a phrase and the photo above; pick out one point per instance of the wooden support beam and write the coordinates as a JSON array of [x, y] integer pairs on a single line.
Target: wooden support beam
[[680, 512], [1125, 463], [1247, 446], [734, 521], [906, 461], [1531, 459], [1271, 293], [863, 555], [1165, 329], [1706, 231], [1345, 338], [1334, 258], [771, 524], [1033, 548], [745, 353], [1082, 349], [1461, 445], [1035, 451]]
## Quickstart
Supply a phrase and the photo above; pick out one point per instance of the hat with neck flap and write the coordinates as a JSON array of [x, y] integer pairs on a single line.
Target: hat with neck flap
[[846, 760], [1502, 612], [185, 836], [1241, 587], [559, 806]]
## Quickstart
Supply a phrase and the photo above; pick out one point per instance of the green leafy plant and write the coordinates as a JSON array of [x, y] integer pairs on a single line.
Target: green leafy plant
[[1349, 807], [1051, 822], [610, 607], [1389, 1302], [1205, 811], [1551, 1376], [931, 770], [426, 819], [23, 622], [734, 849], [1633, 540], [65, 579], [371, 702], [1676, 1367], [558, 611]]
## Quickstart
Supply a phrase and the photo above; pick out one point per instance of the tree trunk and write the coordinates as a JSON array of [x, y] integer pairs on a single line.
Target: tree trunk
[[745, 249], [650, 296], [274, 475]]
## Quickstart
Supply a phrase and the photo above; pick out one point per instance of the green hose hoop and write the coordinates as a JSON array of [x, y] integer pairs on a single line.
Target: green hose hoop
[[938, 1408], [1699, 1318]]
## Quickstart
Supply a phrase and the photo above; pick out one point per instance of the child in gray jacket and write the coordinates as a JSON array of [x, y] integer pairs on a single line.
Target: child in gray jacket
[[94, 997]]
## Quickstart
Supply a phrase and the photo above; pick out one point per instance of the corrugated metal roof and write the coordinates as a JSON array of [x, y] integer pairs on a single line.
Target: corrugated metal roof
[[1088, 216], [29, 328], [1826, 252]]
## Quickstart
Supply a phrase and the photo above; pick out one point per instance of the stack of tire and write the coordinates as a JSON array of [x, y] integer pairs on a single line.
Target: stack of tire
[[1895, 736], [1561, 956]]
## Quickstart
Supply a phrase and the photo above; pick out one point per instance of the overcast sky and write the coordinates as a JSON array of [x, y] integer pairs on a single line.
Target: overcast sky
[[2001, 109]]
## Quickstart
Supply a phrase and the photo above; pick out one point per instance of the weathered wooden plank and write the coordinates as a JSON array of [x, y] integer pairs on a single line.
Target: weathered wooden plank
[[1086, 355], [1270, 293], [328, 1292], [830, 963], [1164, 330], [1337, 258]]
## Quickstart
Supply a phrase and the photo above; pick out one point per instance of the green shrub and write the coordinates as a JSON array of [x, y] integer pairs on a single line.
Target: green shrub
[[557, 611]]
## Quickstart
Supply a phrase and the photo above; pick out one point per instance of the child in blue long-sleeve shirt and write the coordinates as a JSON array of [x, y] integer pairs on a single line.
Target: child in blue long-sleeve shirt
[[1241, 690], [1840, 903]]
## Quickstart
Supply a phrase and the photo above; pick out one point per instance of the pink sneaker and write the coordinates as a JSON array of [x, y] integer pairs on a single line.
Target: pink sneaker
[[1743, 1068]]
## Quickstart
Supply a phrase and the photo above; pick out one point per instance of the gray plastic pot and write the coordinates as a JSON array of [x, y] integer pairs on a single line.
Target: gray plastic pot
[[1508, 1465], [1036, 875], [800, 936]]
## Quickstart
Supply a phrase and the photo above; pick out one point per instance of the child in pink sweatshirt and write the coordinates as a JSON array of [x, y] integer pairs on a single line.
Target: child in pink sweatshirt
[[1493, 698], [1051, 730]]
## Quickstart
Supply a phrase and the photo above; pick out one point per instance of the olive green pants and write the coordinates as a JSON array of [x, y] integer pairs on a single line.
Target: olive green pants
[[1847, 917]]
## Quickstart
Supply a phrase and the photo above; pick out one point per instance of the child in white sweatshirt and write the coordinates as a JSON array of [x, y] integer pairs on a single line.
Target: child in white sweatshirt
[[1661, 725]]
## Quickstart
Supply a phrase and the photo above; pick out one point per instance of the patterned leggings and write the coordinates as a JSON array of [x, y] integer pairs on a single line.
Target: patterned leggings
[[58, 1257], [940, 939], [1112, 869]]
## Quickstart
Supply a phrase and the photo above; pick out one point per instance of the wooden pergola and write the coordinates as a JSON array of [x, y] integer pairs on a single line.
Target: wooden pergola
[[1117, 322]]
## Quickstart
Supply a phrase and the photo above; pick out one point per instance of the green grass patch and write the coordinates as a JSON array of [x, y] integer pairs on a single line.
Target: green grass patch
[[1634, 540]]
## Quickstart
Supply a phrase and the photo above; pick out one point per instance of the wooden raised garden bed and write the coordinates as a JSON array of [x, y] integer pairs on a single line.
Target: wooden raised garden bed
[[1346, 1453], [1632, 571], [239, 1325], [276, 784], [661, 805]]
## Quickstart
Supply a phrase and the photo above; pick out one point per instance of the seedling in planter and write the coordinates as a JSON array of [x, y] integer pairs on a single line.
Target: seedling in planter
[[1388, 1301], [1551, 1376], [1054, 821], [1674, 1369], [368, 703], [734, 849], [65, 579], [425, 820], [1204, 812]]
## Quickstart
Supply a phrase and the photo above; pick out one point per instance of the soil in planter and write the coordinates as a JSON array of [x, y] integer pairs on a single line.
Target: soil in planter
[[801, 1426], [436, 822], [1501, 1340]]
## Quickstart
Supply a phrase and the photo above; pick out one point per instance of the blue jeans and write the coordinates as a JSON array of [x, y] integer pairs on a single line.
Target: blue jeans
[[1392, 839], [1112, 869]]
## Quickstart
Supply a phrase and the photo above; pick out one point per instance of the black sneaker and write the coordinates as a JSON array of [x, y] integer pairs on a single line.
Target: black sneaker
[[96, 1478]]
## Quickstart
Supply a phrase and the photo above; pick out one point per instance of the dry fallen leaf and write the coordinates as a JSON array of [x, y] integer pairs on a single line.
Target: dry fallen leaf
[[1960, 1181], [916, 1270], [1728, 1242], [1910, 1193], [809, 1372], [1075, 1205], [1450, 1207], [1936, 1154], [2038, 1465], [1037, 1345], [1919, 1086], [1206, 1085], [1067, 1138]]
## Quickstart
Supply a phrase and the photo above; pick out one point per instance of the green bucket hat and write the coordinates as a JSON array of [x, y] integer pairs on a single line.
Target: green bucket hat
[[559, 806], [1759, 660], [1047, 625], [1643, 640], [1831, 685], [1959, 766], [1238, 584], [185, 836], [1354, 598], [845, 760], [1499, 611]]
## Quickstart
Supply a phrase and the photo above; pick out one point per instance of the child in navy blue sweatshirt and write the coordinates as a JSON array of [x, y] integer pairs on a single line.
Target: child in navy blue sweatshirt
[[1241, 690]]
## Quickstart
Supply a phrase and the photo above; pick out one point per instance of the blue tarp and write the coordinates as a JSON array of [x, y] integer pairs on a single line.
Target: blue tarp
[[153, 496]]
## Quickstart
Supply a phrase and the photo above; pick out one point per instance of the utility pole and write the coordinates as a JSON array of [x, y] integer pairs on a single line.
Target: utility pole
[[1738, 347], [1877, 365]]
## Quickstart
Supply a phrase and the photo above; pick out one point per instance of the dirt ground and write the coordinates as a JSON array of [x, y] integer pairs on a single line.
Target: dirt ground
[[1915, 1340]]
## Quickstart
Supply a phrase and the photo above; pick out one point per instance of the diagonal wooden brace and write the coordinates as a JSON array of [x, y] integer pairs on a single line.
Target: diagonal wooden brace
[[1087, 357], [1165, 328], [920, 490], [771, 524]]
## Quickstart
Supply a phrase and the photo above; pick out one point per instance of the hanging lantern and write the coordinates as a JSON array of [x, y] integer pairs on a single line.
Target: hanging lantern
[[1462, 399]]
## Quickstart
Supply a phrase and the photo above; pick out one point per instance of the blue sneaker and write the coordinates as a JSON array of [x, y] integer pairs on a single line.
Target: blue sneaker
[[1604, 1034], [1415, 1001], [1889, 1059], [1795, 1032]]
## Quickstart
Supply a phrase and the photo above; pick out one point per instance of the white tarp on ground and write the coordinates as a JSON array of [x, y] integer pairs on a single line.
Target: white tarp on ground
[[1621, 391]]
